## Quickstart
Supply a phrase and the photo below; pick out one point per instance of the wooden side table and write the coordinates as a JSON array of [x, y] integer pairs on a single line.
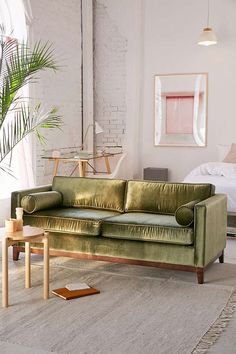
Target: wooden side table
[[29, 234]]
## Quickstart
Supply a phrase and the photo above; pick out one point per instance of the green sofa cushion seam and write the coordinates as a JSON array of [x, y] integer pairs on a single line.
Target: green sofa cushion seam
[[149, 240], [146, 211], [60, 217], [91, 207], [148, 225]]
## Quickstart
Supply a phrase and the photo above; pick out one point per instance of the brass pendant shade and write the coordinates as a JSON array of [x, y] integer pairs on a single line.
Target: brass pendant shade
[[207, 36]]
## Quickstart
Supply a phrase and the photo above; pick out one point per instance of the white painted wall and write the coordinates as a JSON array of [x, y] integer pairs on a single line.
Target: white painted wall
[[58, 22], [156, 36], [171, 29], [161, 38]]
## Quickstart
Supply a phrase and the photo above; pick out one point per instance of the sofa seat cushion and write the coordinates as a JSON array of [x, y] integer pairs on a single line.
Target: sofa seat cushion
[[147, 227], [73, 220]]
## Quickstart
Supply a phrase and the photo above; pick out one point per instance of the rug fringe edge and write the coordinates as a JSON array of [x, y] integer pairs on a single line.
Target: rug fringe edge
[[220, 324]]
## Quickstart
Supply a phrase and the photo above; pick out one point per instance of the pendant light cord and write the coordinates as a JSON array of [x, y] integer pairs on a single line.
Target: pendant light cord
[[208, 13]]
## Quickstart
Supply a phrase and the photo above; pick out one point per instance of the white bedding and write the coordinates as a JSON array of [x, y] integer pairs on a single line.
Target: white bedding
[[222, 175]]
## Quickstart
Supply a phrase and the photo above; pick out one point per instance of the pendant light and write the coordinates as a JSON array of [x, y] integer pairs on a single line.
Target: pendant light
[[207, 37]]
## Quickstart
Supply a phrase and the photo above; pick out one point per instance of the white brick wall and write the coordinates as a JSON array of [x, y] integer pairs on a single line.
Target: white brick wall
[[64, 88], [58, 22], [110, 48]]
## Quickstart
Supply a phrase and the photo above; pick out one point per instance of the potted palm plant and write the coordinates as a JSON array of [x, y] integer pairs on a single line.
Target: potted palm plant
[[18, 67]]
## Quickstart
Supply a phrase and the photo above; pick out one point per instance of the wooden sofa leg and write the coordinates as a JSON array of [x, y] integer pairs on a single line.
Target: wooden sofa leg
[[16, 253], [200, 275], [221, 258]]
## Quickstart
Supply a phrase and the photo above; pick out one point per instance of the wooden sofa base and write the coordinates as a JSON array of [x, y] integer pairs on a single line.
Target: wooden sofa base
[[198, 270]]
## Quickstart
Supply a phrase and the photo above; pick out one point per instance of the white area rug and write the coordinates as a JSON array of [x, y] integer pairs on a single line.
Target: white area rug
[[140, 309]]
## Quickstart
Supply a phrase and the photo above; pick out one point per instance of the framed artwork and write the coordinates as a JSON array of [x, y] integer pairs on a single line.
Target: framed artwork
[[181, 109]]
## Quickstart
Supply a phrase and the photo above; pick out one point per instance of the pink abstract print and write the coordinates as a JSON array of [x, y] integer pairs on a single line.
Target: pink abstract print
[[179, 114]]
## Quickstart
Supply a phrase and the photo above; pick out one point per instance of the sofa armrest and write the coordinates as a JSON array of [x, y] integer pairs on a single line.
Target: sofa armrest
[[18, 195], [210, 228]]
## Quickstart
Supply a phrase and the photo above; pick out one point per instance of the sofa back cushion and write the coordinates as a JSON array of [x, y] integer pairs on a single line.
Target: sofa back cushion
[[164, 198], [91, 192]]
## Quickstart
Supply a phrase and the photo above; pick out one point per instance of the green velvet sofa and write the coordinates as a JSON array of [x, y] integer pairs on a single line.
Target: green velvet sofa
[[170, 225]]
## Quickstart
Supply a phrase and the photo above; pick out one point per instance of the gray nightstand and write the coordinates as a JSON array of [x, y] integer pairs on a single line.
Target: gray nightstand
[[155, 174]]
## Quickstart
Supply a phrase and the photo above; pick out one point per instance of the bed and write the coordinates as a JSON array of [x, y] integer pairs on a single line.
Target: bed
[[223, 176]]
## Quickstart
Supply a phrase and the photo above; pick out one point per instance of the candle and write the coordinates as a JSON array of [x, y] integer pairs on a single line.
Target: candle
[[11, 225]]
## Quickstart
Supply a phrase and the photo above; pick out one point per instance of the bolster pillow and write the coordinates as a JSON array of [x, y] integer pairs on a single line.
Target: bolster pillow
[[43, 200], [184, 215]]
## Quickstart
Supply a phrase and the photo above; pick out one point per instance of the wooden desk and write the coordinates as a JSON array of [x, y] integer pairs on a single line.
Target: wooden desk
[[81, 162]]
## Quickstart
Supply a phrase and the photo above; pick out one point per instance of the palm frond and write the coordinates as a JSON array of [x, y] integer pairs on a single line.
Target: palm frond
[[19, 66], [26, 121]]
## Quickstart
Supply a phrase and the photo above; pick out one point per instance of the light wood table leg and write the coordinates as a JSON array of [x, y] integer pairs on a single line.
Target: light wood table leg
[[56, 163], [107, 165], [45, 267], [4, 272], [27, 266], [84, 168], [81, 169]]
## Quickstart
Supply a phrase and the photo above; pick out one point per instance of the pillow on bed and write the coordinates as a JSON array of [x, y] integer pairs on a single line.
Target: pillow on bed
[[231, 156], [222, 151], [215, 169]]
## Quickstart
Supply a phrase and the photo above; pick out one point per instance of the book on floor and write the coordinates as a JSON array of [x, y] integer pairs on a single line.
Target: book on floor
[[67, 294]]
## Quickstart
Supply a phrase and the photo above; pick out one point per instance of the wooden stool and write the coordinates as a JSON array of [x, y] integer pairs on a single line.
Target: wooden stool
[[29, 234]]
